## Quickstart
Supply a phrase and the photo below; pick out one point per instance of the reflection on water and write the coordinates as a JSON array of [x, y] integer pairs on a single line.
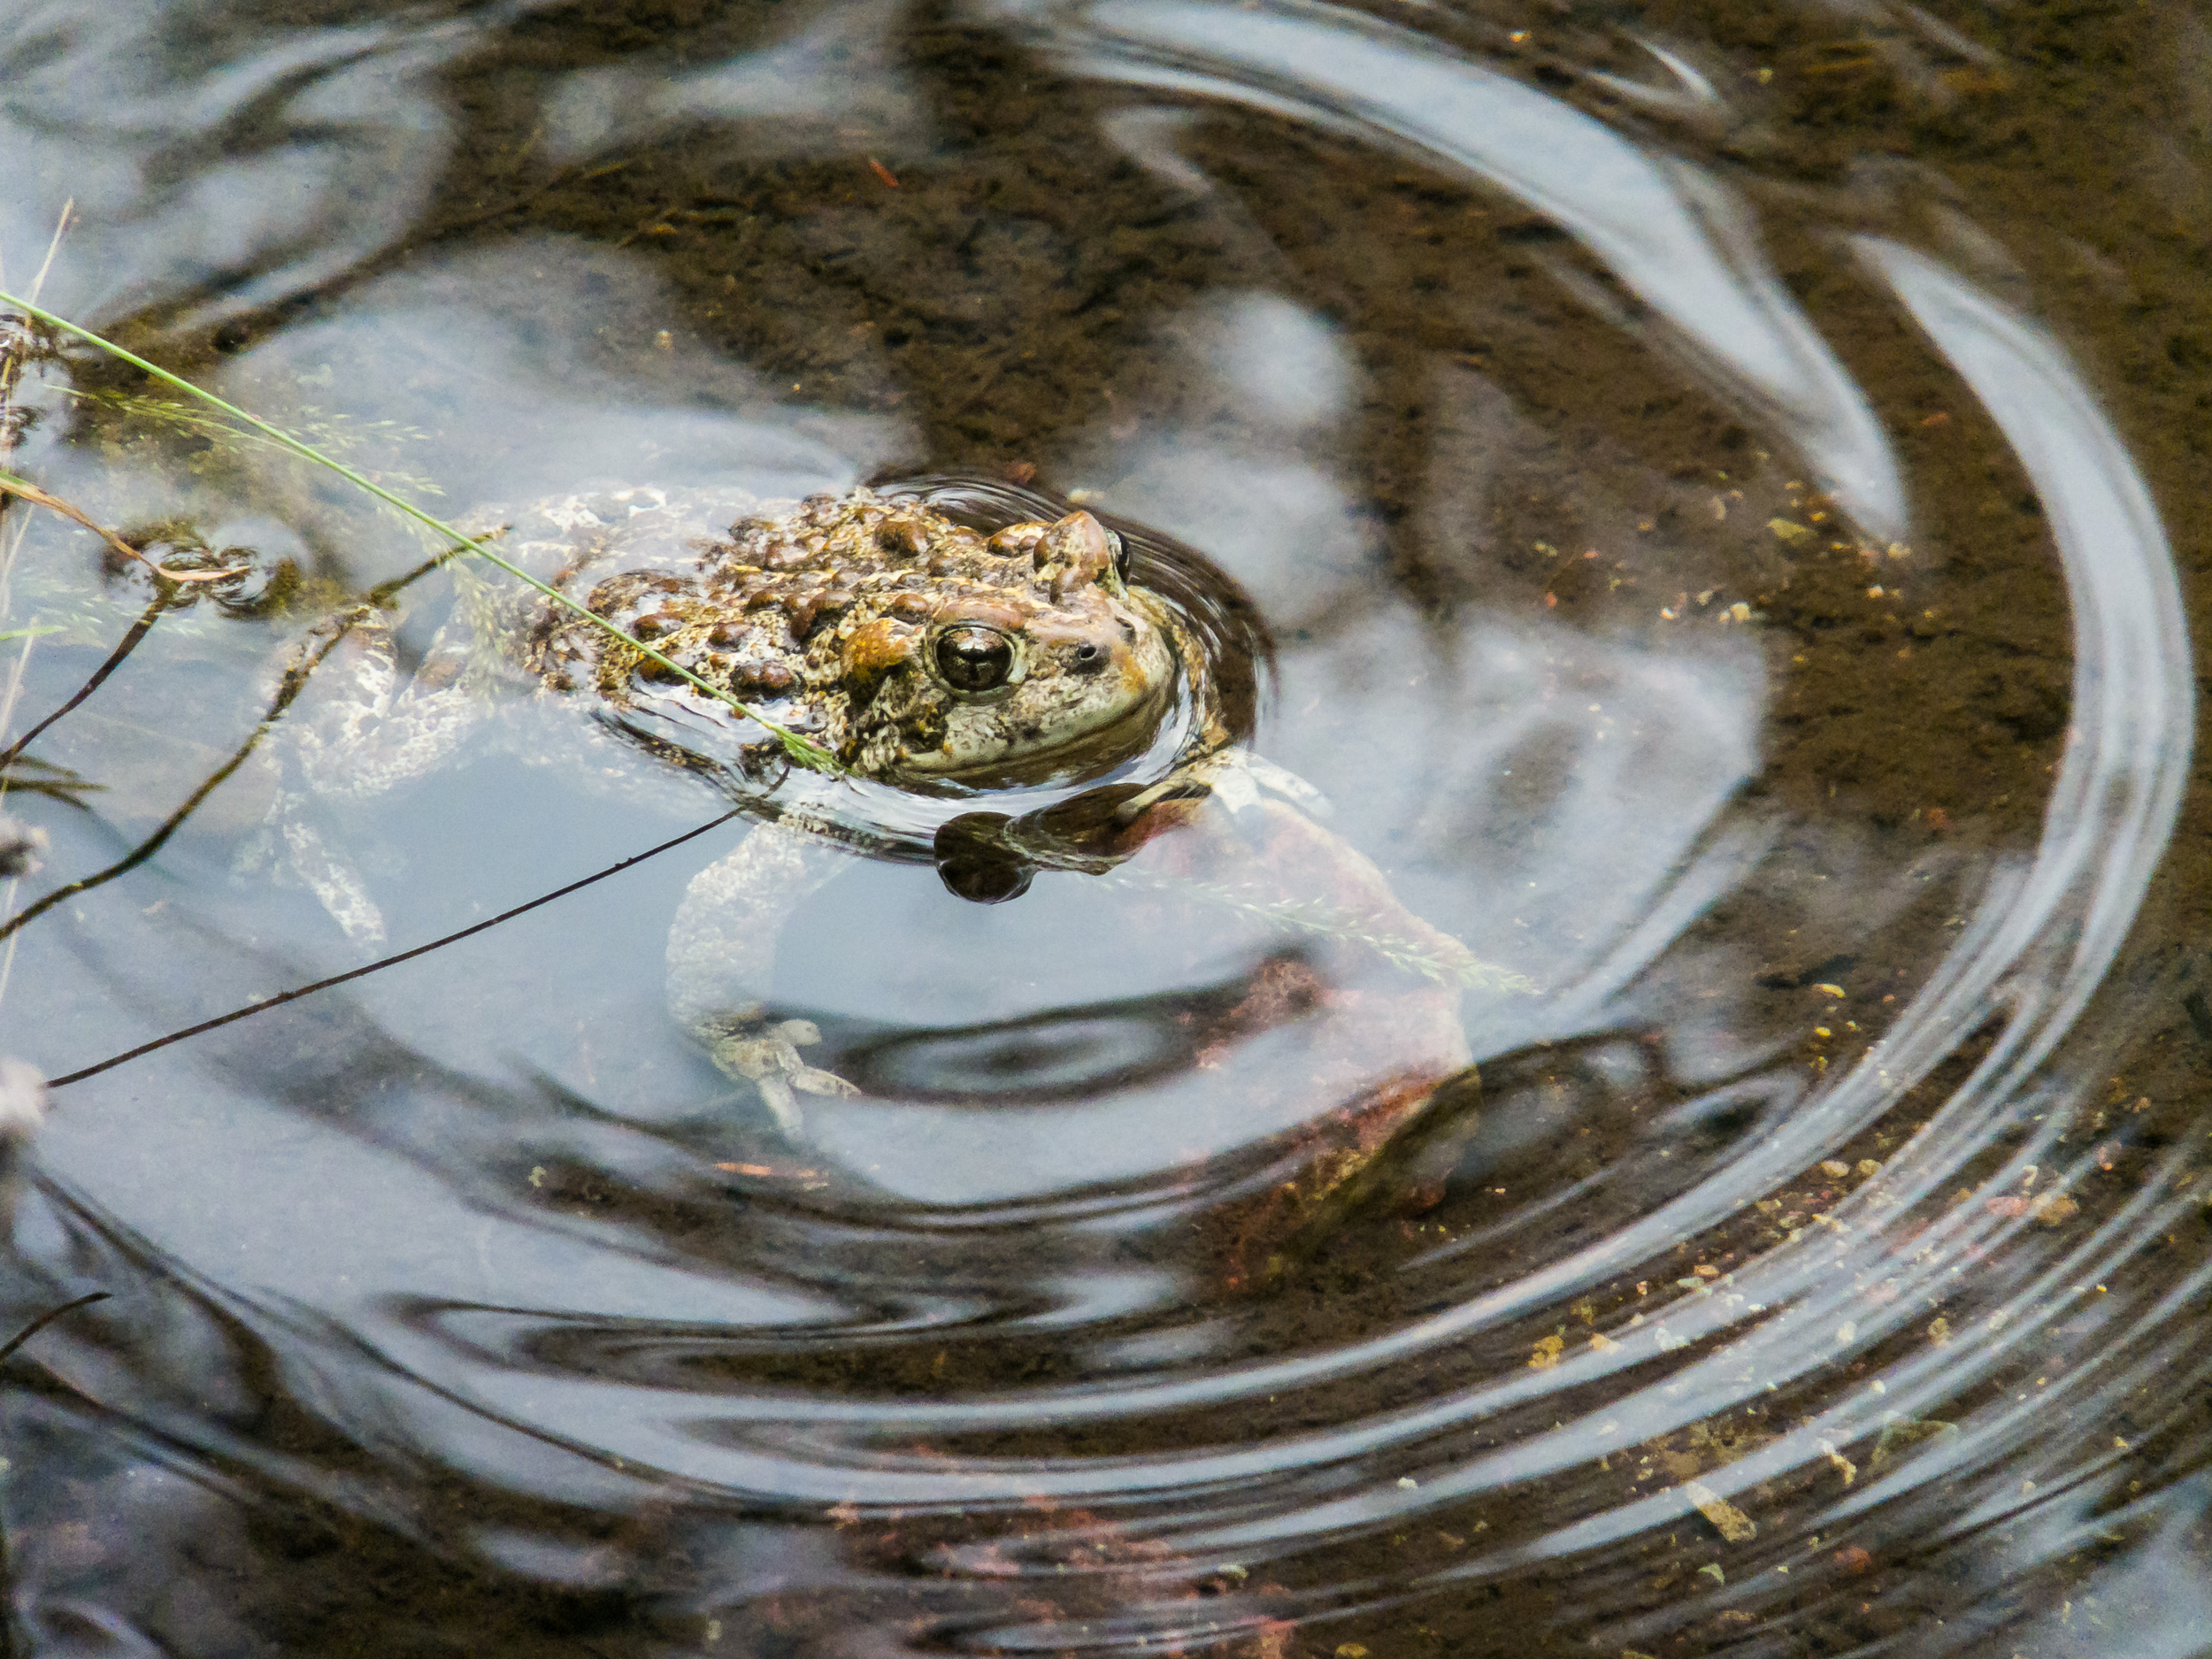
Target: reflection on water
[[804, 93], [1741, 665], [1671, 236], [218, 168]]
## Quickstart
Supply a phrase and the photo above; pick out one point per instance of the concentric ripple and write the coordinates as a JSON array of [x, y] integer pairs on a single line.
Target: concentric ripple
[[1796, 1244]]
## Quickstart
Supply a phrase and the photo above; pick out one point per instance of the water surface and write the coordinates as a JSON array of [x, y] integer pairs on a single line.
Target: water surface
[[1724, 491]]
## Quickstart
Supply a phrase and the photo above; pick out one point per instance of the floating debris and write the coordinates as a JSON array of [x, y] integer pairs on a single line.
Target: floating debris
[[1730, 1522], [1897, 1438], [2053, 1210]]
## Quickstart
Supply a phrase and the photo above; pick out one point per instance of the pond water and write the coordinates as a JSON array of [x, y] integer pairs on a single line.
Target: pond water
[[1722, 486]]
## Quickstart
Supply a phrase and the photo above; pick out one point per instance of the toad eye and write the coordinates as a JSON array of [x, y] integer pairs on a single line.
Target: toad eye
[[974, 660]]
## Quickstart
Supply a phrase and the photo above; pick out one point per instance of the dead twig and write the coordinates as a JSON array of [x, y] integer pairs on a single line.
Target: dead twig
[[61, 227], [10, 485]]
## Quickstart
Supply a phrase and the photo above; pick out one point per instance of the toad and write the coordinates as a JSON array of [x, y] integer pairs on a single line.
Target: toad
[[914, 651]]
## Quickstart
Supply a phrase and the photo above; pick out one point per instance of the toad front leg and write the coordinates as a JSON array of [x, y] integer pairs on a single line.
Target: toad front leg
[[360, 729], [722, 952]]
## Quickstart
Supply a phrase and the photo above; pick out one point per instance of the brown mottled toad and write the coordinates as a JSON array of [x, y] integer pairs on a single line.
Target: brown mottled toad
[[918, 652], [912, 648], [909, 646]]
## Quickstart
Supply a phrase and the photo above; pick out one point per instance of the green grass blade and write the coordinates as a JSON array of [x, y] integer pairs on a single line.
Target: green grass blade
[[798, 748]]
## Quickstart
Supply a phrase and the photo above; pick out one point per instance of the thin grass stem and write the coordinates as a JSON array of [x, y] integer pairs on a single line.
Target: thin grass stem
[[15, 689], [61, 225], [7, 958]]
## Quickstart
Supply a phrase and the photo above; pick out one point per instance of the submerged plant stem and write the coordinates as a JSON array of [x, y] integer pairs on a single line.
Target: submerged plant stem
[[382, 962], [47, 1318], [137, 631], [799, 748], [295, 681]]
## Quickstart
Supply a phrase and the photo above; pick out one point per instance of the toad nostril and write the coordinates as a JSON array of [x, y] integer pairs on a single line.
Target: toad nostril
[[1087, 655]]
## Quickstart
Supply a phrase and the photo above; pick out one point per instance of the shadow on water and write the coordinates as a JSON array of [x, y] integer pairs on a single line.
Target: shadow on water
[[1702, 479]]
